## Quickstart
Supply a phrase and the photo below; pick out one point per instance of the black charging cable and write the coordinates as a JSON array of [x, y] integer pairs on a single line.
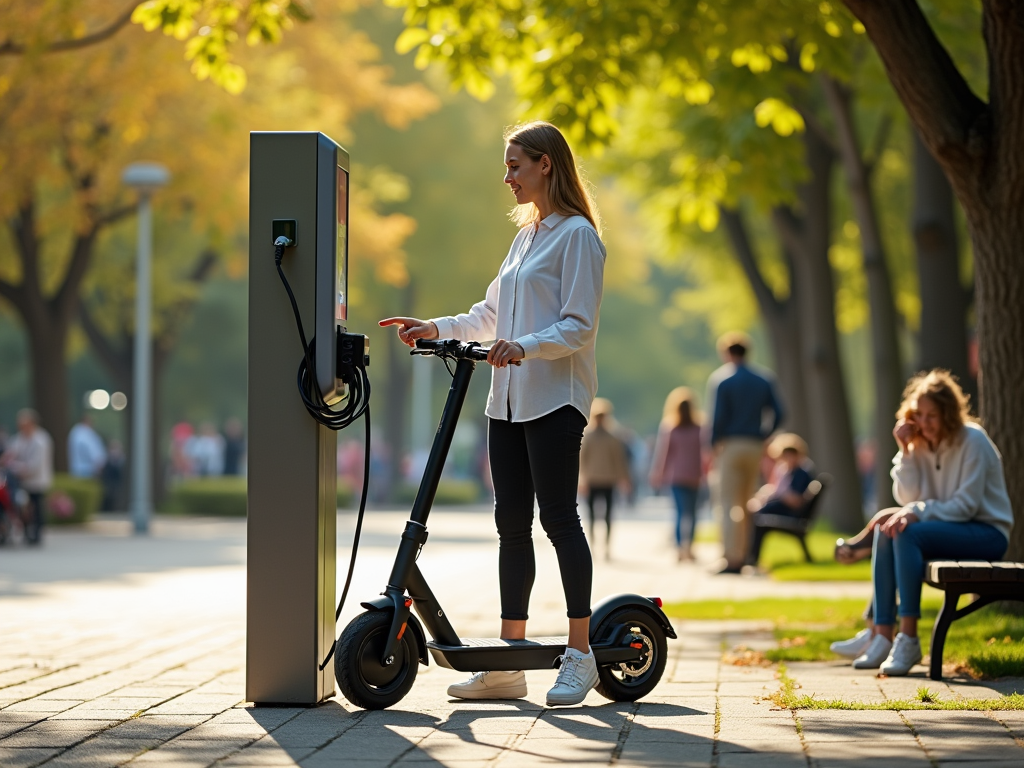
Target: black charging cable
[[356, 404]]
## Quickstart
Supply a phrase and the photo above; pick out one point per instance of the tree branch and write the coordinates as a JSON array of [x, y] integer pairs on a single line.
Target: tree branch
[[117, 360], [12, 293], [736, 229], [952, 120], [11, 48]]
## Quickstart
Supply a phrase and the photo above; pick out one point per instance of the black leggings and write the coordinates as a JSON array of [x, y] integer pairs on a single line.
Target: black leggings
[[539, 457], [600, 492]]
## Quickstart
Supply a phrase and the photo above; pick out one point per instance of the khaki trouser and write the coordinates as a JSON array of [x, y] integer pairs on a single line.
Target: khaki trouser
[[737, 464]]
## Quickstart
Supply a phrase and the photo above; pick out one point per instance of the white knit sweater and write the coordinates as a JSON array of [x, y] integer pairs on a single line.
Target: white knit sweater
[[962, 480]]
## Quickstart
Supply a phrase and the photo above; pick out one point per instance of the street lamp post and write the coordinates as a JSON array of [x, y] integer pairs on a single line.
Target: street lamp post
[[144, 178]]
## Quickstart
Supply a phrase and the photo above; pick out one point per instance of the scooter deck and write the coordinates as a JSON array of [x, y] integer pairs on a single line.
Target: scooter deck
[[484, 654]]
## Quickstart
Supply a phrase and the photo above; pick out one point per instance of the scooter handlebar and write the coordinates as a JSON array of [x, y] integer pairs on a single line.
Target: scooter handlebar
[[452, 348]]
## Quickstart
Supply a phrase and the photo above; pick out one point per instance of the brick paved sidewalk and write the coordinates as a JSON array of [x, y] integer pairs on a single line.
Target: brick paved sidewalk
[[134, 661]]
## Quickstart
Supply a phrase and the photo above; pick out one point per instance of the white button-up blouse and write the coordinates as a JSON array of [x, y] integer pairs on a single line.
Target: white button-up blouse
[[546, 297]]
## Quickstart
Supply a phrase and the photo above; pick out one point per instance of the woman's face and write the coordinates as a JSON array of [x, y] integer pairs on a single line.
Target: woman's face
[[528, 179], [928, 419]]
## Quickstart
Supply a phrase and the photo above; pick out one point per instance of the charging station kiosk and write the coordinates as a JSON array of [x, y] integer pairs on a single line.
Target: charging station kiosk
[[299, 185]]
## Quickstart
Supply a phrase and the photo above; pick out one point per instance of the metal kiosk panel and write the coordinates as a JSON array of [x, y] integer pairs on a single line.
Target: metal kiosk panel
[[291, 459]]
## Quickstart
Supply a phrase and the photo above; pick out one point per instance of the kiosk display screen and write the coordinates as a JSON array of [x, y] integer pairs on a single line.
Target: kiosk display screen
[[342, 310]]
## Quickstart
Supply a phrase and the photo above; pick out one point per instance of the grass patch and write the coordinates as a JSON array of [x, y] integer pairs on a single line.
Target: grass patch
[[782, 557], [781, 611], [986, 644], [787, 697]]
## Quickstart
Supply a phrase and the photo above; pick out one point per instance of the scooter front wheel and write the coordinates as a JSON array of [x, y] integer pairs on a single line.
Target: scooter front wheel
[[363, 679], [629, 681]]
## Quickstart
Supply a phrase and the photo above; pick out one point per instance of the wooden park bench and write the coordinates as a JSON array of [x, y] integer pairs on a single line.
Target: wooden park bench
[[796, 525], [991, 582]]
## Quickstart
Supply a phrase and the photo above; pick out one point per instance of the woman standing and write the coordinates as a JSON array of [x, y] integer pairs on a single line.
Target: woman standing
[[948, 476], [677, 463], [542, 311]]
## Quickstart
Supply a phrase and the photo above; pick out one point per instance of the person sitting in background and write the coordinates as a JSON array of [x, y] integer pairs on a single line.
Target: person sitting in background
[[948, 477], [677, 463], [785, 494], [604, 466]]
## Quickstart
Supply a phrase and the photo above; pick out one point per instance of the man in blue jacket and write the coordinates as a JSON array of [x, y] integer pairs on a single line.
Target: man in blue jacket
[[745, 412]]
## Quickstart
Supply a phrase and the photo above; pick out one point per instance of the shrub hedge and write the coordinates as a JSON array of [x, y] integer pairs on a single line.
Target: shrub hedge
[[222, 497], [449, 491], [72, 500]]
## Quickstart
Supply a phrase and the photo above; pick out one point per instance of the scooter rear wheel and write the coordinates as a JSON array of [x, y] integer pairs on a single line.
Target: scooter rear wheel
[[634, 680], [357, 662]]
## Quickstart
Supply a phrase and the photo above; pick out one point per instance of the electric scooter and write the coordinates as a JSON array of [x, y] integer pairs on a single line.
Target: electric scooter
[[378, 653]]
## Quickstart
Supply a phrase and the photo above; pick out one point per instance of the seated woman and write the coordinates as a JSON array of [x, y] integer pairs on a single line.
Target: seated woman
[[785, 495], [948, 477]]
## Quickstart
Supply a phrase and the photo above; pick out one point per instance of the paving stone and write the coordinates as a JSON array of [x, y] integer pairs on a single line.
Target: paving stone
[[165, 727], [765, 758], [843, 754], [864, 727], [47, 737], [24, 758], [101, 753], [43, 705], [666, 755]]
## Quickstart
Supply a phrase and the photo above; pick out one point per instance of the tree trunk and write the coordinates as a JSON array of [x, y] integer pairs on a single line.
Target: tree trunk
[[807, 236], [781, 319], [999, 286], [888, 373], [979, 148], [942, 340], [47, 340]]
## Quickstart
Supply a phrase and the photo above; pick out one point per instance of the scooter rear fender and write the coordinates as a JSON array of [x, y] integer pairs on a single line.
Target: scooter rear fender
[[610, 605], [383, 603]]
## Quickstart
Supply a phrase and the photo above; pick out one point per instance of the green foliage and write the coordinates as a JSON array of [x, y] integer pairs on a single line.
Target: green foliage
[[84, 495], [213, 496], [449, 491], [211, 28], [223, 497]]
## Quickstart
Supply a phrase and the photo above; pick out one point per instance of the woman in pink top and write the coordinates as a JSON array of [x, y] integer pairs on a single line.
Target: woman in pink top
[[677, 463]]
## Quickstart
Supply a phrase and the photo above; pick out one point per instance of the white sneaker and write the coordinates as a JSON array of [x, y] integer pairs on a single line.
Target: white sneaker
[[576, 676], [853, 647], [491, 685], [876, 653], [905, 653]]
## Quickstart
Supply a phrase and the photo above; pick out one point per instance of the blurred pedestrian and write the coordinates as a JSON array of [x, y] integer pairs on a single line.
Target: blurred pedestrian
[[181, 464], [604, 466], [745, 411], [86, 452], [677, 463], [112, 477], [206, 451], [29, 457], [785, 493], [234, 447]]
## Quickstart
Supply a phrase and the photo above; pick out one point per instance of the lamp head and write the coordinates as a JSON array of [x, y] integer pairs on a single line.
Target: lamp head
[[145, 177]]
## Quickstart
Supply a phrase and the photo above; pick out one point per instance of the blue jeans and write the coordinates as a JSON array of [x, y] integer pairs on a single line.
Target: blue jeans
[[897, 564], [686, 513]]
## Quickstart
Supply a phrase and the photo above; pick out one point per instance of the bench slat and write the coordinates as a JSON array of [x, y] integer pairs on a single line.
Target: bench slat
[[939, 572]]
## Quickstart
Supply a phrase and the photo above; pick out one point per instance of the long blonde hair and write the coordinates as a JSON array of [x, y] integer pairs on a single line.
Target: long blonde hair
[[680, 409], [566, 190]]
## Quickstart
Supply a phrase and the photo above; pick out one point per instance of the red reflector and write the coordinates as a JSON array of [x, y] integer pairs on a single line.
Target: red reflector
[[656, 601], [401, 632], [408, 602], [636, 645]]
